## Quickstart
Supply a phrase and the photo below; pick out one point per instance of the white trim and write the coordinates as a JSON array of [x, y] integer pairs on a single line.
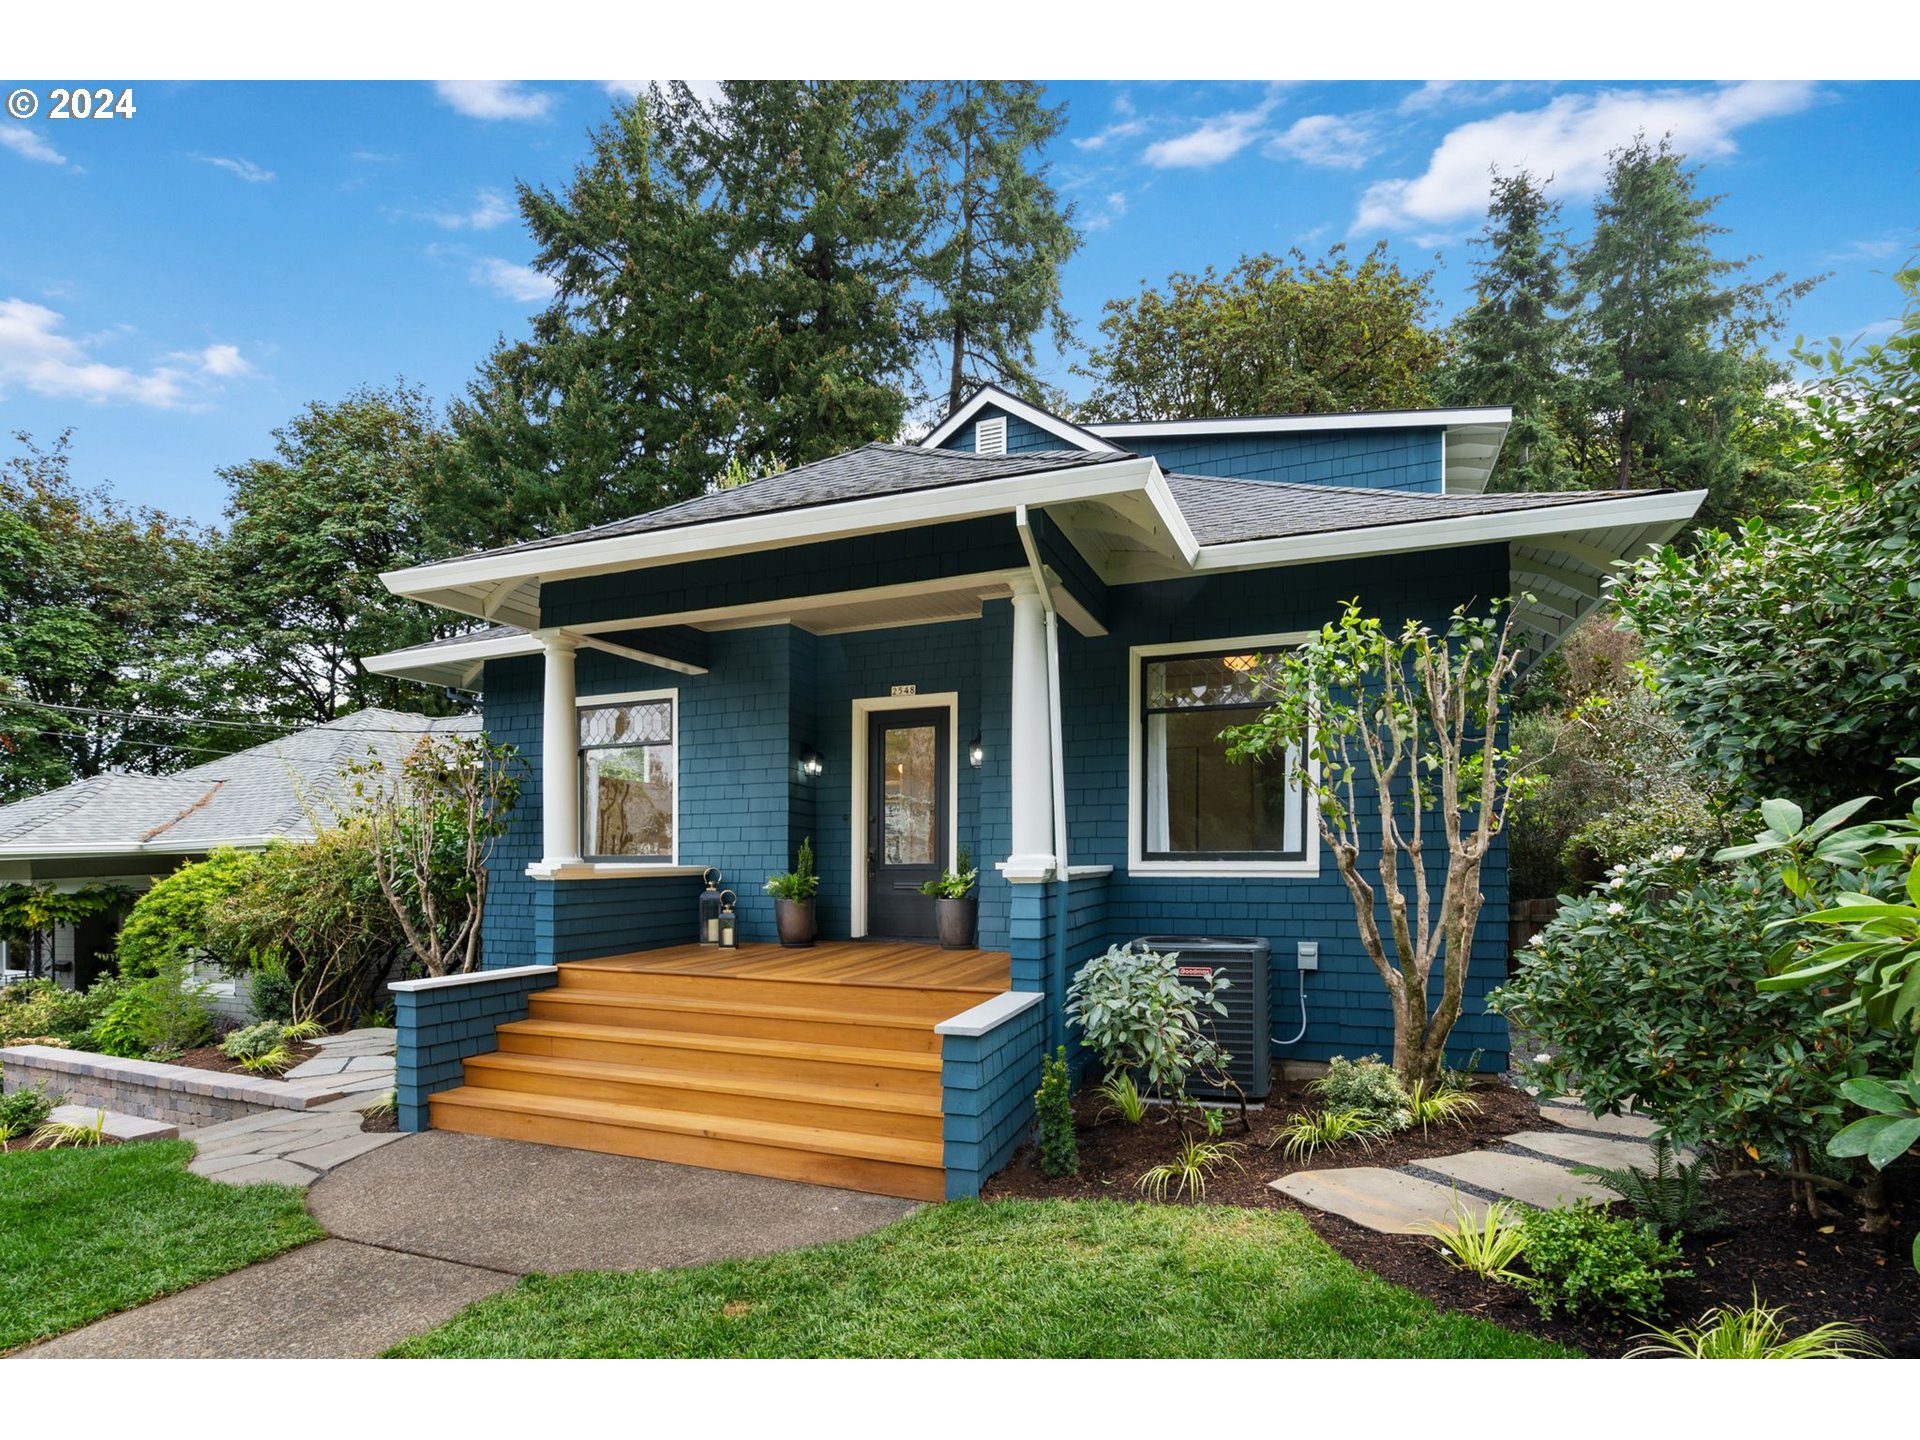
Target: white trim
[[471, 977], [598, 866], [643, 657], [609, 870], [1077, 436], [991, 1014], [1306, 867], [440, 582], [1269, 424], [863, 707]]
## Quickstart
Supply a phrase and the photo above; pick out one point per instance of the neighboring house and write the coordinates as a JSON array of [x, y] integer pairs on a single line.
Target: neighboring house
[[1017, 639], [129, 830]]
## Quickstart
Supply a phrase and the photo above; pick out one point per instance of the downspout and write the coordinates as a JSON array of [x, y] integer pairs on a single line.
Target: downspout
[[1056, 769]]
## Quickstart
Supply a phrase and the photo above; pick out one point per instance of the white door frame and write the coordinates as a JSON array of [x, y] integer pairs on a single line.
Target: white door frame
[[863, 709]]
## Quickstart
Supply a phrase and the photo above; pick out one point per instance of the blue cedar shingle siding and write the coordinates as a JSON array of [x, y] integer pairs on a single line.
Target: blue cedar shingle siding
[[438, 1027], [1023, 436], [773, 689], [987, 1085], [1409, 459]]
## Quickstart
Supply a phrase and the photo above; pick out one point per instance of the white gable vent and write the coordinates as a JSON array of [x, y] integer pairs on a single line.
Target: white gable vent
[[990, 436]]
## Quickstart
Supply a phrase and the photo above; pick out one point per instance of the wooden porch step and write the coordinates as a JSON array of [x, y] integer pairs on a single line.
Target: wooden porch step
[[881, 1165], [827, 1107], [766, 1060], [932, 1004], [724, 1014]]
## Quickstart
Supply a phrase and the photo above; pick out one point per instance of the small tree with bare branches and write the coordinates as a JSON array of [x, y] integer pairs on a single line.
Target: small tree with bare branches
[[434, 819], [1397, 738]]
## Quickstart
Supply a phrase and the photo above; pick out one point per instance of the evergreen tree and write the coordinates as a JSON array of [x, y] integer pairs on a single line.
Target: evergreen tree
[[1671, 335], [731, 283], [1512, 344], [999, 234]]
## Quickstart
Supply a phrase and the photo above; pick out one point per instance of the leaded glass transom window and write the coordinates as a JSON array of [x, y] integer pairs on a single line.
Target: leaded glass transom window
[[628, 777]]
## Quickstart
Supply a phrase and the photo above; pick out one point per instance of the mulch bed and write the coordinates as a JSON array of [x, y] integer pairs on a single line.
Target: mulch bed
[[25, 1142], [1113, 1155], [212, 1057], [384, 1124], [1759, 1246]]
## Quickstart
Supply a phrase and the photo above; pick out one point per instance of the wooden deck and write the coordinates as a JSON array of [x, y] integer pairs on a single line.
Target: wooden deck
[[819, 1065], [835, 962]]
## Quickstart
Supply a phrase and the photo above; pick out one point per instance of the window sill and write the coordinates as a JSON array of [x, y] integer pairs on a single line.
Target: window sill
[[1227, 869], [609, 870]]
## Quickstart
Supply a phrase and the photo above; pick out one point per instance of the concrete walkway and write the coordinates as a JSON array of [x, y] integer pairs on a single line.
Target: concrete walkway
[[1533, 1167], [426, 1225]]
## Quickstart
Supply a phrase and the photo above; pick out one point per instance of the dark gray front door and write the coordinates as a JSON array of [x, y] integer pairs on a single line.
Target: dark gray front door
[[908, 783]]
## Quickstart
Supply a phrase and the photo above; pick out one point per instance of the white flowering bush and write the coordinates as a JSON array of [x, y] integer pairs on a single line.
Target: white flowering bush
[[1644, 990], [1368, 1086]]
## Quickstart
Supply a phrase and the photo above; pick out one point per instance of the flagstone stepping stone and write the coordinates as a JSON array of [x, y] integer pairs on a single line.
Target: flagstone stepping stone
[[1633, 1127], [1539, 1183], [1379, 1199], [1571, 1148], [115, 1126]]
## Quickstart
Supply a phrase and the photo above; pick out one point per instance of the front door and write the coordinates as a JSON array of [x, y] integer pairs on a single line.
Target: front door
[[909, 754]]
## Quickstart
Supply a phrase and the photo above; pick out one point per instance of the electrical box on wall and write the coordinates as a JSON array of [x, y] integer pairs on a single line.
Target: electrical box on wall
[[1307, 954]]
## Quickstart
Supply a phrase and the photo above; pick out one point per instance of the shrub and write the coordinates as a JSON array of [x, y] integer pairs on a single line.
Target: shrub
[[1670, 1197], [1054, 1108], [1366, 1085], [170, 919], [315, 909], [1645, 992], [1137, 1014], [1582, 1259], [160, 1015], [23, 1110], [40, 1010], [271, 990], [254, 1041]]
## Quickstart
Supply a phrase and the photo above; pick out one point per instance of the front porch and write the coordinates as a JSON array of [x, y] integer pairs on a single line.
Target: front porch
[[854, 1064]]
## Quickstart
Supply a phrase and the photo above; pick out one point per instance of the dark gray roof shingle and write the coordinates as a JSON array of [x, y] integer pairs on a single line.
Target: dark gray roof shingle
[[1224, 512]]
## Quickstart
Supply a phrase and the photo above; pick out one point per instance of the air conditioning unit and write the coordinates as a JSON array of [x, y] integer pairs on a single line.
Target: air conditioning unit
[[1245, 1032]]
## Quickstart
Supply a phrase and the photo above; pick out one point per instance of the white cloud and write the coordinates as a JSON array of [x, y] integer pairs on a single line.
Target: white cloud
[[1336, 142], [1118, 130], [245, 169], [1453, 94], [491, 208], [1211, 142], [30, 144], [36, 356], [1112, 207], [515, 282], [1568, 139], [224, 361], [495, 99]]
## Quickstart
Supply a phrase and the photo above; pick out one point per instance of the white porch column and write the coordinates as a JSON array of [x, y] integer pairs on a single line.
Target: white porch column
[[1030, 743], [559, 755]]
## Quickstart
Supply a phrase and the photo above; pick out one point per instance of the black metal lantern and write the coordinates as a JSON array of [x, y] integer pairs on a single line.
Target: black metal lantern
[[729, 926], [710, 908]]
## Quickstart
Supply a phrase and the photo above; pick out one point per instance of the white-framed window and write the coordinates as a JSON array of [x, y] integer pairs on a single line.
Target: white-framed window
[[630, 776], [1193, 811]]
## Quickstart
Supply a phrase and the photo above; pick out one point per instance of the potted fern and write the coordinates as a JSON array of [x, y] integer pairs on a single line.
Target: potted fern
[[955, 906], [793, 896]]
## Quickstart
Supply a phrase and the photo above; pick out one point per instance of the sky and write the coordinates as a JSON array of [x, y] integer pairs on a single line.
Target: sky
[[177, 283]]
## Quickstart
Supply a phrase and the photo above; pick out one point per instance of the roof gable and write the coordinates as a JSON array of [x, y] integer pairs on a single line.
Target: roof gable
[[993, 398]]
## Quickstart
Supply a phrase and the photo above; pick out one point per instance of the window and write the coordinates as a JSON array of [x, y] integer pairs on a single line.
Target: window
[[627, 775], [1196, 805]]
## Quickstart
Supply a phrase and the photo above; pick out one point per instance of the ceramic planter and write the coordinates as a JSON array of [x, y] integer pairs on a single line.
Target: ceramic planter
[[958, 921], [795, 919]]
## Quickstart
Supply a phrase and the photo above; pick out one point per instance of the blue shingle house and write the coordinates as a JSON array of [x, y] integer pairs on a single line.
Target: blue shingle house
[[1017, 640]]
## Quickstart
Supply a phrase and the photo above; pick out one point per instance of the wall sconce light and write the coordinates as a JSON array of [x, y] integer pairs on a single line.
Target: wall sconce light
[[976, 752], [811, 765]]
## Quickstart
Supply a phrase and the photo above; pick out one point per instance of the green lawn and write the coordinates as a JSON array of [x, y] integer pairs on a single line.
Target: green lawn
[[84, 1233], [1029, 1278]]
